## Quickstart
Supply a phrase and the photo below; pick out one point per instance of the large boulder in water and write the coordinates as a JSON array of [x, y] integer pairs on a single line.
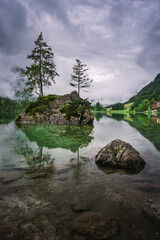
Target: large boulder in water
[[119, 154]]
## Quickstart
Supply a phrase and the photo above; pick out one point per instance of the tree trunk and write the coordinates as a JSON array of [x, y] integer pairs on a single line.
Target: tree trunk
[[78, 86], [40, 66], [41, 89]]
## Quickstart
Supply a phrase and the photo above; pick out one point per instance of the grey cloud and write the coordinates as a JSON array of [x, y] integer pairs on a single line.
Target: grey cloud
[[52, 7], [12, 27], [149, 57], [115, 38]]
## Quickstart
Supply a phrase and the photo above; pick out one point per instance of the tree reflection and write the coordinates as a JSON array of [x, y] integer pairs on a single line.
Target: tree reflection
[[59, 136], [98, 115], [148, 126], [35, 159], [71, 138]]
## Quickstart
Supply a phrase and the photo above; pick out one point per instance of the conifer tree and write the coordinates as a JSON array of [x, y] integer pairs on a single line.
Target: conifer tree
[[80, 78], [43, 69]]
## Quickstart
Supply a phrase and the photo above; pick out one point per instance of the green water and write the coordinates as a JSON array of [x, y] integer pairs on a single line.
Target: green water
[[66, 154]]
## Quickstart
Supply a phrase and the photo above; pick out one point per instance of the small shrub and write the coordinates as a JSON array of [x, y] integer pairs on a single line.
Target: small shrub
[[40, 104], [75, 107], [46, 99], [41, 108], [18, 118], [30, 106], [117, 151]]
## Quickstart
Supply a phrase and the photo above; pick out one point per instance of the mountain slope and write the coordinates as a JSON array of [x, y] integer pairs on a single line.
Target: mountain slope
[[150, 91]]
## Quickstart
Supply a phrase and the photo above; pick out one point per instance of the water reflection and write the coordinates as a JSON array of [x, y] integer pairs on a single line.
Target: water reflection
[[148, 126], [5, 121], [35, 158], [108, 170], [59, 136], [98, 115], [44, 203], [62, 137]]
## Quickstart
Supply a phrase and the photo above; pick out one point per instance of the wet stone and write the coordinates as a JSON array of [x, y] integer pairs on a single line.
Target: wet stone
[[95, 226], [35, 175], [11, 177], [9, 165], [152, 211], [149, 188], [80, 204], [30, 232], [57, 169], [62, 179], [8, 231]]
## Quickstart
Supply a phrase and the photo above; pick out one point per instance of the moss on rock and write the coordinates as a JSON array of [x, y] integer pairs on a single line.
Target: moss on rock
[[55, 109], [76, 108], [40, 105]]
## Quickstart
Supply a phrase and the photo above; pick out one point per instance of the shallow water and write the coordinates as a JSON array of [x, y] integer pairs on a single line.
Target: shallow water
[[56, 163]]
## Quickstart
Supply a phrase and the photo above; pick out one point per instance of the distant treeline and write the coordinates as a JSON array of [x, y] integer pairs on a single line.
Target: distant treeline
[[9, 108], [98, 107]]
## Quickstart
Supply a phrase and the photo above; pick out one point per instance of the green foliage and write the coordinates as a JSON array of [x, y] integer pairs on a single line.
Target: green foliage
[[30, 106], [76, 107], [150, 92], [118, 106], [157, 95], [46, 99], [18, 118], [57, 136], [98, 106], [43, 69], [143, 106], [9, 108], [117, 151], [80, 78], [40, 105]]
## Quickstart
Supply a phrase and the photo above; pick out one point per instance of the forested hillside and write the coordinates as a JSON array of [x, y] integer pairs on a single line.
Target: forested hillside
[[146, 96], [143, 100], [9, 108], [150, 92]]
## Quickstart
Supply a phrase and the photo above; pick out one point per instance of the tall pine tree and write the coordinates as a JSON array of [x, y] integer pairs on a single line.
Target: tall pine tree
[[43, 69], [80, 78]]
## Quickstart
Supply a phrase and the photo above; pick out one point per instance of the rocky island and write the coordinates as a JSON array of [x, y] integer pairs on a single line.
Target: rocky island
[[54, 109]]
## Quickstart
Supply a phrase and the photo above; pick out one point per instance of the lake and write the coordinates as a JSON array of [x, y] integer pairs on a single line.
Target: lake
[[43, 167]]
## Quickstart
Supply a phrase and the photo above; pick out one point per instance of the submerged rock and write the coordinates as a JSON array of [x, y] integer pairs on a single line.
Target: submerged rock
[[53, 109], [11, 177], [8, 231], [152, 211], [80, 204], [119, 154], [95, 226], [35, 175]]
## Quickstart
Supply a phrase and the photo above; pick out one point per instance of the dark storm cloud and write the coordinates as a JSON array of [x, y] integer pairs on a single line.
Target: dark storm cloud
[[12, 26], [52, 7], [149, 57], [115, 38]]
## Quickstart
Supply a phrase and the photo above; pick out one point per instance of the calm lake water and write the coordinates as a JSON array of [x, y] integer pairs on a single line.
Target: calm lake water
[[42, 167]]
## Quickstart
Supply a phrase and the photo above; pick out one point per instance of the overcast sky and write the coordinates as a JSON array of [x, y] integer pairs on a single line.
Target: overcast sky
[[119, 40]]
